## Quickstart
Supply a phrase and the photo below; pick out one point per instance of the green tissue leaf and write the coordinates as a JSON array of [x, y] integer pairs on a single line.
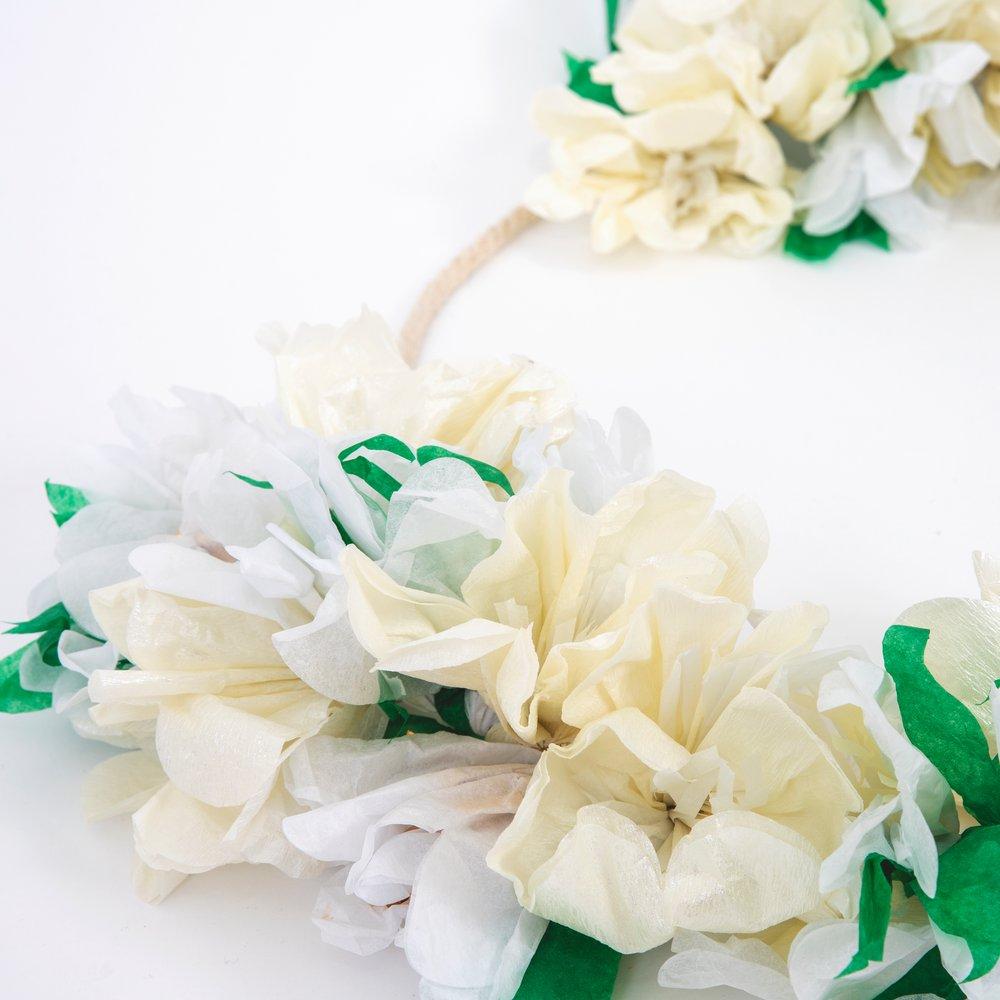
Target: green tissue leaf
[[940, 726], [368, 472], [801, 244], [569, 966], [486, 472], [874, 910], [65, 501], [968, 888], [582, 84], [879, 5], [56, 617], [13, 698], [927, 976], [884, 72], [261, 484], [381, 442], [450, 705], [611, 21]]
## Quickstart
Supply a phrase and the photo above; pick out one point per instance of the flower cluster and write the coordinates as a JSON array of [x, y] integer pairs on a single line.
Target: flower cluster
[[437, 638], [739, 122]]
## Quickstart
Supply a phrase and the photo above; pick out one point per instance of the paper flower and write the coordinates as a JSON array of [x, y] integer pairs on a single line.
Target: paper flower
[[406, 825], [350, 382], [223, 712], [709, 173], [787, 63], [873, 162], [563, 596], [627, 835]]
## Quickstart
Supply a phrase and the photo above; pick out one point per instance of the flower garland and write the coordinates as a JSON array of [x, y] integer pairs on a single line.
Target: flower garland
[[743, 123], [435, 637]]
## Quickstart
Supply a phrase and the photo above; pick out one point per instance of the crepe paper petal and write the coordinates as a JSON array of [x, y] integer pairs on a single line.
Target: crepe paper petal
[[822, 948], [569, 965], [64, 500], [260, 484], [701, 962], [965, 904], [488, 473], [121, 785], [245, 749], [197, 576], [381, 442], [55, 617], [940, 726], [884, 72], [581, 82], [817, 248], [874, 909], [326, 655], [928, 977], [13, 697]]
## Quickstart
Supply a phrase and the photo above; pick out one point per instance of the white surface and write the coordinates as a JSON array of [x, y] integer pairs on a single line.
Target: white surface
[[175, 174]]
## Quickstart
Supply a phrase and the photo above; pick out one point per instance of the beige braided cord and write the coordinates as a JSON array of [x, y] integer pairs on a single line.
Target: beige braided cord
[[436, 295]]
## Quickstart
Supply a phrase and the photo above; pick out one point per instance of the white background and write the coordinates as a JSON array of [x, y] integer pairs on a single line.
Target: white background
[[174, 174]]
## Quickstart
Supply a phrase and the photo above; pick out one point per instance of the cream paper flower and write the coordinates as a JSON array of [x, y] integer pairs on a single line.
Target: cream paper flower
[[789, 63], [706, 171], [627, 834], [569, 600], [406, 825], [224, 713], [850, 705], [350, 382]]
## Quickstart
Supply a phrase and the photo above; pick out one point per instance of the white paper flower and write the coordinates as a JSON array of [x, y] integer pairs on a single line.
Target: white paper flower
[[674, 178], [568, 598], [406, 824], [875, 159], [601, 462]]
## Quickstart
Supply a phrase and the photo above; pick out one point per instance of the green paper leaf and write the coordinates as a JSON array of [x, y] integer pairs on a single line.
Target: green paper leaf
[[940, 726], [381, 442], [927, 976], [486, 472], [611, 21], [377, 478], [884, 72], [879, 5], [582, 84], [569, 966], [968, 889], [13, 698], [450, 705], [801, 244], [874, 910], [56, 617], [401, 722], [65, 501], [261, 484]]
